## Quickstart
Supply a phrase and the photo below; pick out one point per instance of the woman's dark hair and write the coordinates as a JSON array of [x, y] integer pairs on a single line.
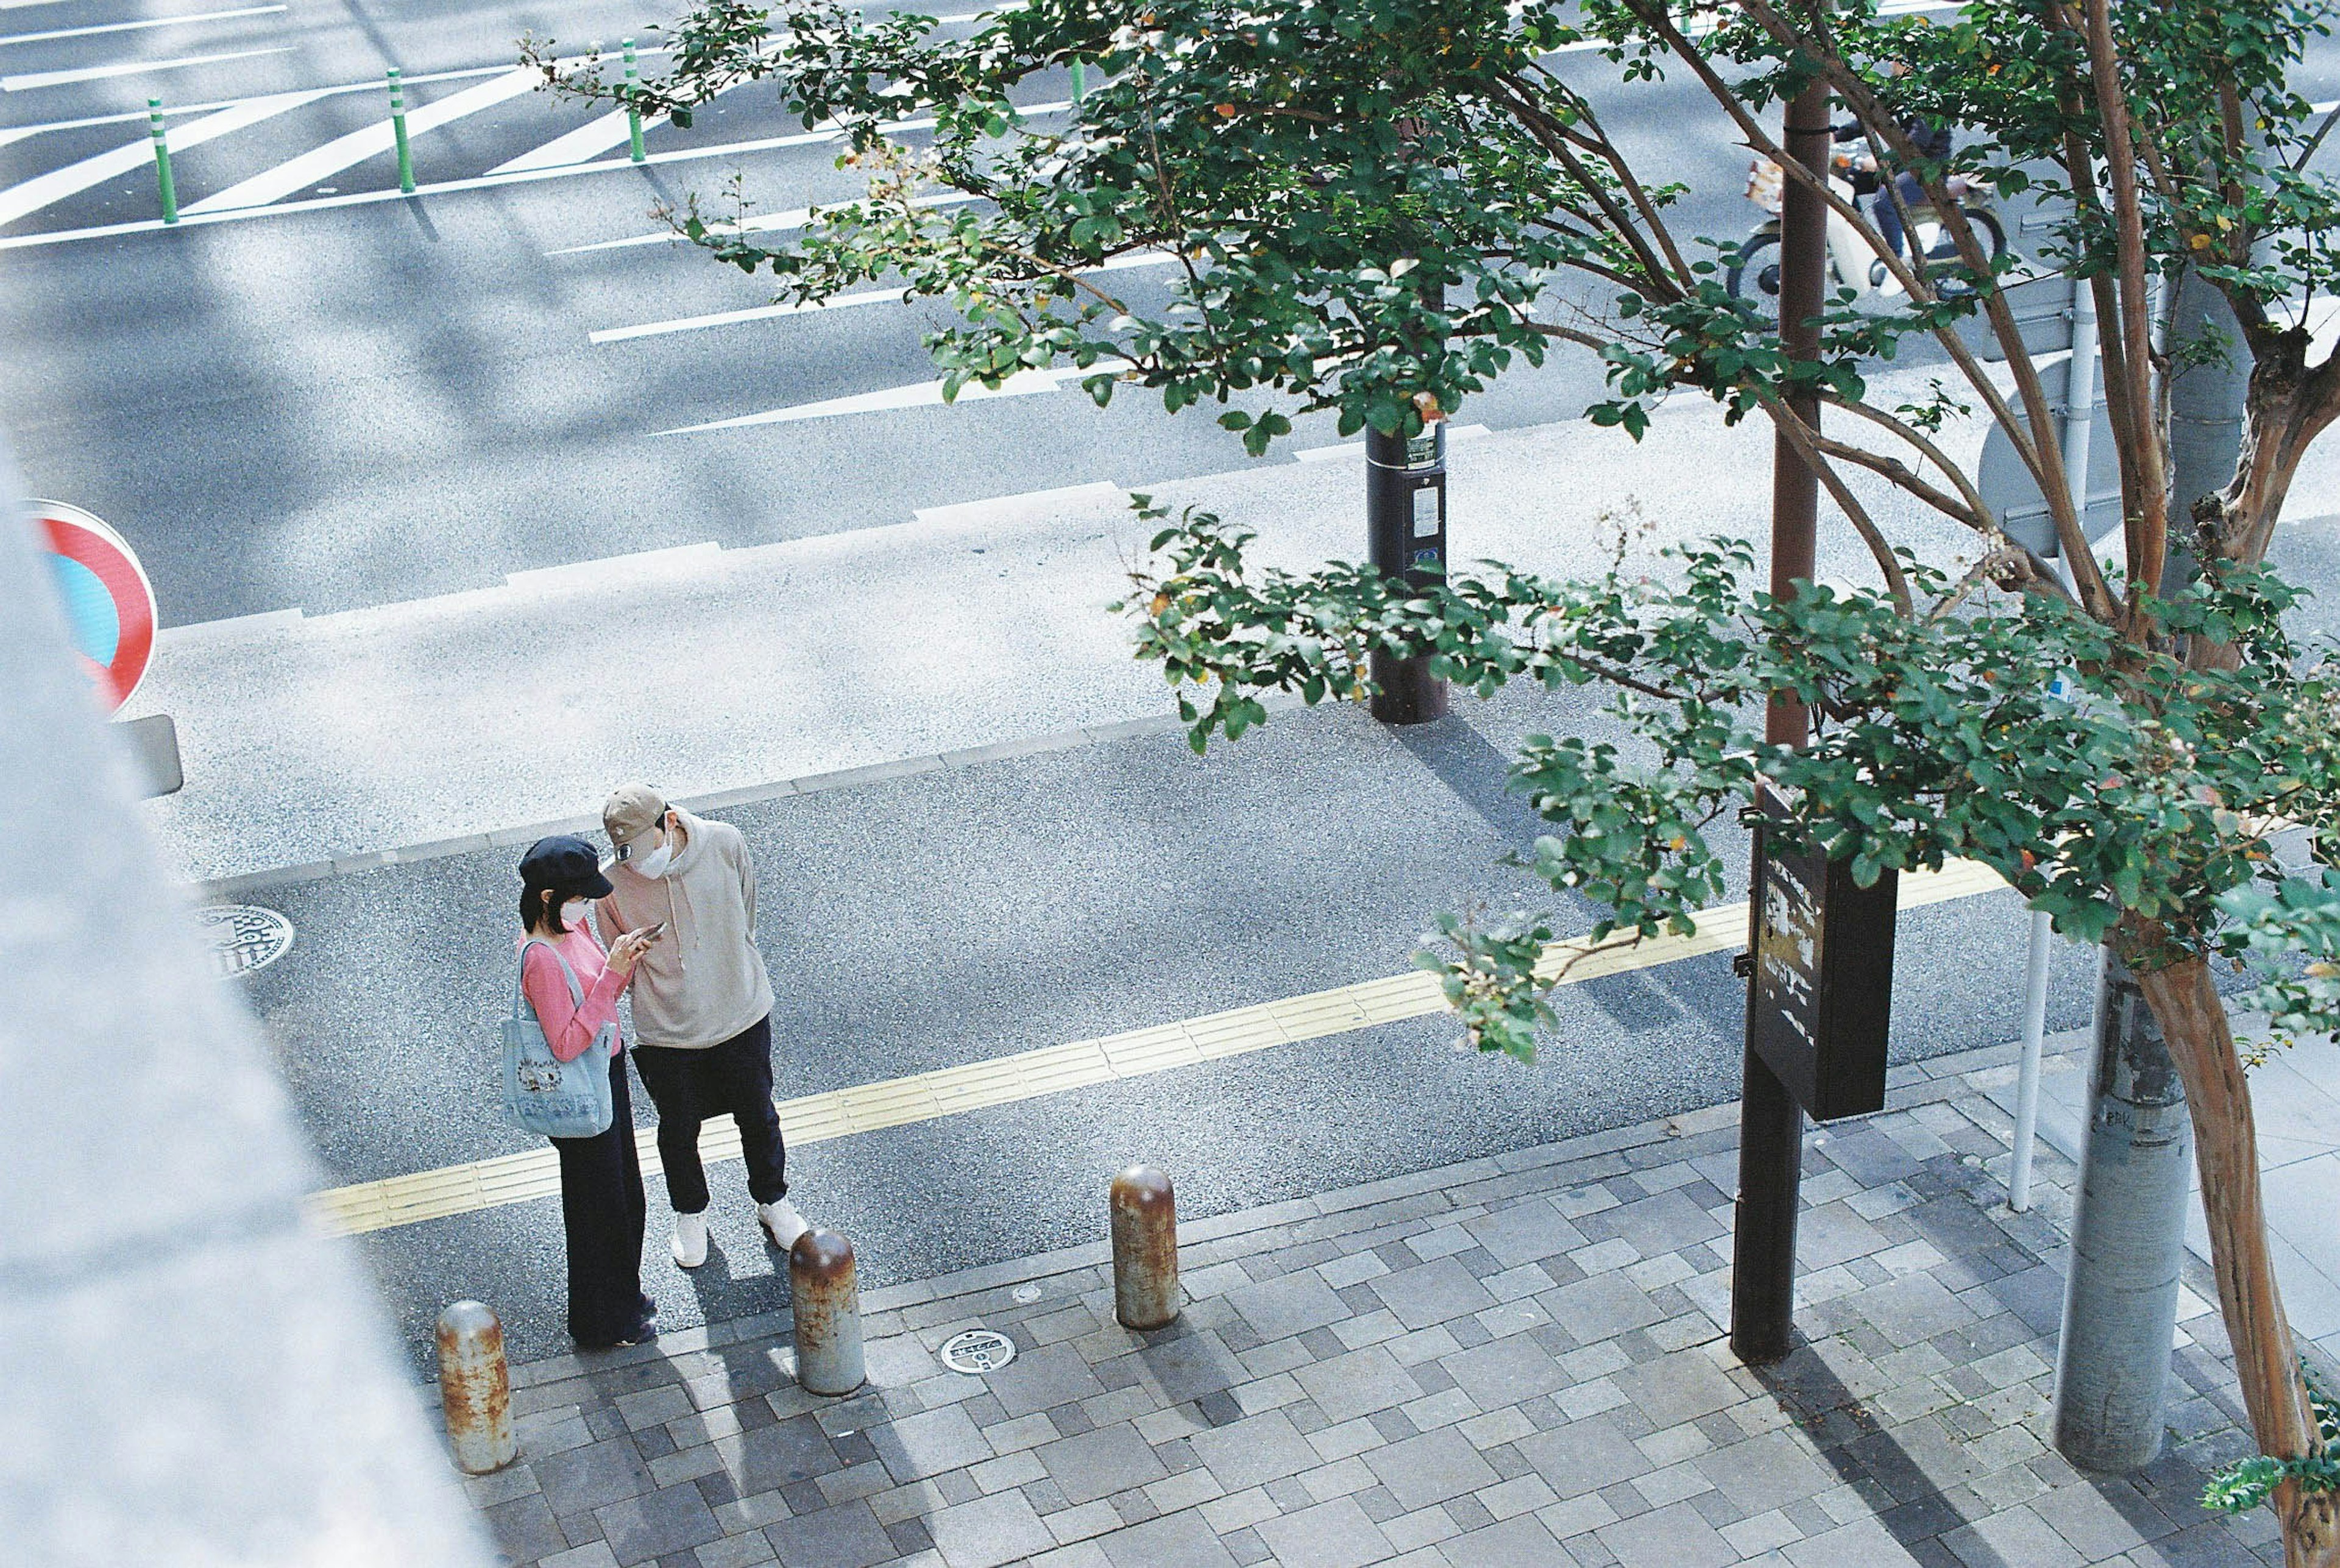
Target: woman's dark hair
[[535, 912]]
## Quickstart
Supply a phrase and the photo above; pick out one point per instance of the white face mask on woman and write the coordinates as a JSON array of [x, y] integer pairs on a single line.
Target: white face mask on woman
[[573, 914], [654, 864]]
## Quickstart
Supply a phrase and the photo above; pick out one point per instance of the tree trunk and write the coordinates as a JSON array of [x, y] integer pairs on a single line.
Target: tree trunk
[[2193, 1018]]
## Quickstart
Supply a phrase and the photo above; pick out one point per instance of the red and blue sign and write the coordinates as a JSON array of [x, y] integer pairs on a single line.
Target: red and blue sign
[[109, 604]]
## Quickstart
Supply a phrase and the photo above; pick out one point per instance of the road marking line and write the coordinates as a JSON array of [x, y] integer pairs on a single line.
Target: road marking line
[[188, 218], [787, 218], [140, 25], [916, 394], [19, 201], [366, 142], [32, 79], [531, 1174], [842, 302]]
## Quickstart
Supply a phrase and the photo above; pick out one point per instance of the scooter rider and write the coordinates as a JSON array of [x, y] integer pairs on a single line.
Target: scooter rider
[[1932, 142]]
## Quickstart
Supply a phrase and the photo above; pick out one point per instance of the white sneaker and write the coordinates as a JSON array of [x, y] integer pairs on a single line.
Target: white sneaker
[[782, 1222], [689, 1246]]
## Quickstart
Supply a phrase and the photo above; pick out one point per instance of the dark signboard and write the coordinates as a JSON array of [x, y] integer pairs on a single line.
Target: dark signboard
[[1822, 994]]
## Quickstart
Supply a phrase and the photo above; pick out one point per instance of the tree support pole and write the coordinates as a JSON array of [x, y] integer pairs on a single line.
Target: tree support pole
[[2206, 412], [1771, 1123], [2128, 1223], [2128, 1239]]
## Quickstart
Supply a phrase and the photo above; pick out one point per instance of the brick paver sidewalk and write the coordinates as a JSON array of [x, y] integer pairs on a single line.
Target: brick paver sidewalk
[[1516, 1361]]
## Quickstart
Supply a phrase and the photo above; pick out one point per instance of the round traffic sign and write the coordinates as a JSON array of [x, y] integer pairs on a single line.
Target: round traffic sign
[[109, 604]]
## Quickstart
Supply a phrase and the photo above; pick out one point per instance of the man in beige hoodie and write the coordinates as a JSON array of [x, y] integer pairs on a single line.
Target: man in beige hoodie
[[702, 1004]]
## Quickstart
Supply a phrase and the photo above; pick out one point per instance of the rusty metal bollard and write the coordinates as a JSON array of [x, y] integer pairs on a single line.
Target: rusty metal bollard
[[475, 1387], [828, 1308], [1145, 1248]]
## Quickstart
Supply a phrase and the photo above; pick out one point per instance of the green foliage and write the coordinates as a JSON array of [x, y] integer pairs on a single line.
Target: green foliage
[[2292, 932], [2145, 790], [1375, 207], [1489, 976], [2249, 1483]]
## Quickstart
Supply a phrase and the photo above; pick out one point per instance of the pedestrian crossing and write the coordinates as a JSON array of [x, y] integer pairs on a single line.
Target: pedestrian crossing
[[63, 179]]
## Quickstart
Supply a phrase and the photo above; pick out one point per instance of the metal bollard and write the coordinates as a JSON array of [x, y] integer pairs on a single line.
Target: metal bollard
[[633, 116], [828, 1308], [475, 1386], [163, 161], [398, 130], [1145, 1248]]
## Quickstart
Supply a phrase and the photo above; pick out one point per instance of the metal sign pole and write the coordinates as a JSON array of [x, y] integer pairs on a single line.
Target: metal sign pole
[[2079, 417], [1770, 1122]]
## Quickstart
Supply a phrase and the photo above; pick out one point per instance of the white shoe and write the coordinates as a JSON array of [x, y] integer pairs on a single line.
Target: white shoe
[[782, 1222], [689, 1246]]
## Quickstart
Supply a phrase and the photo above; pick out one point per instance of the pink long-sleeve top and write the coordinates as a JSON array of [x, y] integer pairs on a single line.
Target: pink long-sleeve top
[[569, 1029]]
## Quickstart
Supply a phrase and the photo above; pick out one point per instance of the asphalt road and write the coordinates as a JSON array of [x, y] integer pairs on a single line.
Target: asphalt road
[[329, 408], [954, 918]]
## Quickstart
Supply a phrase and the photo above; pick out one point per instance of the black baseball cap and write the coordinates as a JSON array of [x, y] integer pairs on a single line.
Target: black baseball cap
[[568, 863]]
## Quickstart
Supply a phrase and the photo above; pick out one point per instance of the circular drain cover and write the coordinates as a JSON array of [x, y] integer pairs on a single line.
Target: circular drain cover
[[978, 1350], [244, 937]]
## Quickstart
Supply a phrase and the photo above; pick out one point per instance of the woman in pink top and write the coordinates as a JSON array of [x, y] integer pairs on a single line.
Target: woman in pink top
[[602, 1204]]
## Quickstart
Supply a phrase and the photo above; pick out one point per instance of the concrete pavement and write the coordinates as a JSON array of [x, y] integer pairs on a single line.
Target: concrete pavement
[[2295, 1098], [1515, 1360]]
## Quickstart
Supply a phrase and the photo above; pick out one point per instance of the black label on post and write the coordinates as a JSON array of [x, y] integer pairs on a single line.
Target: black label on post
[[1821, 1001]]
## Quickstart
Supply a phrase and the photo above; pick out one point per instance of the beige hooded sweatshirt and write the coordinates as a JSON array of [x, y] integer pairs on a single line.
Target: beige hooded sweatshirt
[[704, 981]]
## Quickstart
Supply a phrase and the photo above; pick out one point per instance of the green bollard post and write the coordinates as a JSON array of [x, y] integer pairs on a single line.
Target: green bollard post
[[633, 116], [398, 130], [162, 162], [1080, 80]]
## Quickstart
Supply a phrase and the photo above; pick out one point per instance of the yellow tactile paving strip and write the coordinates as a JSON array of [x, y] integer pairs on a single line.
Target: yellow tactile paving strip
[[1030, 1074]]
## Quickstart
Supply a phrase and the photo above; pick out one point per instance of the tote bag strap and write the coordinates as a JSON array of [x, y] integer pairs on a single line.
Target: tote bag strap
[[576, 991]]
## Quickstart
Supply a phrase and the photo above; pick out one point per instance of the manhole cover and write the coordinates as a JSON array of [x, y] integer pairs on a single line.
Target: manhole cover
[[244, 937], [978, 1350]]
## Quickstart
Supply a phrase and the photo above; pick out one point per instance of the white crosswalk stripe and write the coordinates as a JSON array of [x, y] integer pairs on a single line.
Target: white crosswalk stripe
[[586, 142], [367, 141], [18, 200]]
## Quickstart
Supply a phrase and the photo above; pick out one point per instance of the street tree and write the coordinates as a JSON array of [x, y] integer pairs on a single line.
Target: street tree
[[1375, 207]]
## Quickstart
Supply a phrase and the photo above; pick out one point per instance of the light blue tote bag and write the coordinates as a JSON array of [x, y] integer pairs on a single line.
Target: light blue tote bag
[[545, 1095]]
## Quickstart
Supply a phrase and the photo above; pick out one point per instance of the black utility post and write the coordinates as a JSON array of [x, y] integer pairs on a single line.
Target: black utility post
[[1770, 1122], [1406, 523], [1406, 527]]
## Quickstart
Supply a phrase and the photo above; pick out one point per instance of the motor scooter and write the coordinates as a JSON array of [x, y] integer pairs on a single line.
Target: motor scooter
[[1755, 265]]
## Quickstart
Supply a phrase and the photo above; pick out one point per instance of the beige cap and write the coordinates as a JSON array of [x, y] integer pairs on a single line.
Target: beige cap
[[632, 810]]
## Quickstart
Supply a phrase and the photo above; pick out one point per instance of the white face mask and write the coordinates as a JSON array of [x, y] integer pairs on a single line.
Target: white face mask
[[573, 914], [654, 864]]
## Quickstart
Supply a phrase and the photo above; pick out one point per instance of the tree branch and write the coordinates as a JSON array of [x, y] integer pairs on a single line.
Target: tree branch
[[1811, 447], [2152, 502]]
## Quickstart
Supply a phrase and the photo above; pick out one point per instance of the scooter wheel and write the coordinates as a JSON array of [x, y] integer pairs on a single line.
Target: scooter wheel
[[1755, 271]]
